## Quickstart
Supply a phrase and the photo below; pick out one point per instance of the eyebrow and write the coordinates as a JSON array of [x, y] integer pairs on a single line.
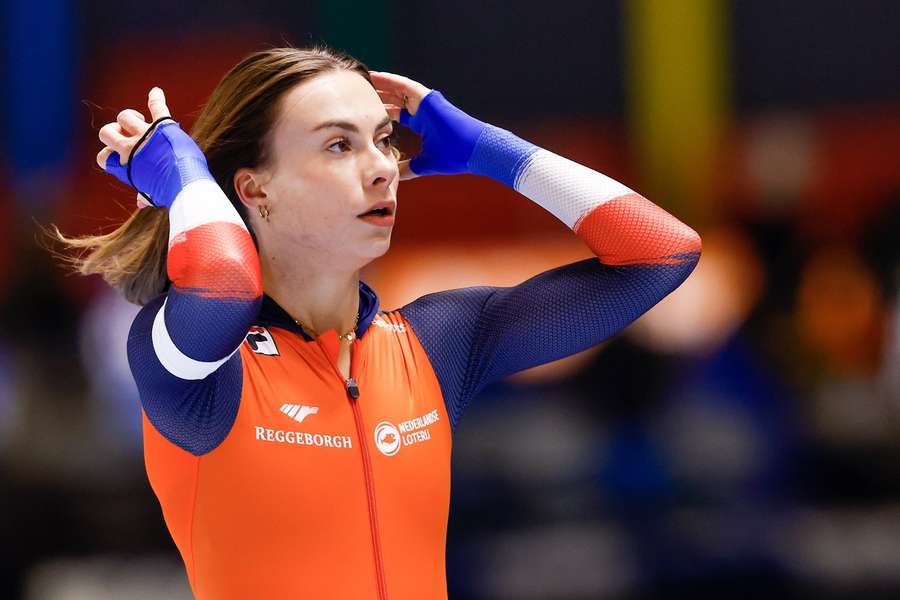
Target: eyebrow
[[348, 125]]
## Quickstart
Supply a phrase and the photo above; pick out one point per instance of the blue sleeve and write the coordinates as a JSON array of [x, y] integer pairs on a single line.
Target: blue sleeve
[[183, 345], [478, 335], [195, 415]]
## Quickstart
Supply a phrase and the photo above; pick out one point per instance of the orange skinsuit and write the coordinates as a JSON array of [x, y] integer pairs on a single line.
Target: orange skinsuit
[[257, 517], [279, 479]]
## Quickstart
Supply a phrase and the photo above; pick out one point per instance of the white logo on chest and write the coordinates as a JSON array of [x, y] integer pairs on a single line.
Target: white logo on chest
[[400, 328], [389, 438], [260, 341], [298, 412]]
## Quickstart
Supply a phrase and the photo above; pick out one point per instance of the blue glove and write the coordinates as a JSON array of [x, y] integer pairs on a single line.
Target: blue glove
[[164, 165], [448, 136], [454, 142]]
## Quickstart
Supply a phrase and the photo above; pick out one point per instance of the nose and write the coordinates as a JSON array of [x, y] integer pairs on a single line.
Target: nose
[[381, 168]]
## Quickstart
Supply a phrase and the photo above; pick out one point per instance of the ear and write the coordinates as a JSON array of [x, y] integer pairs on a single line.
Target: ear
[[249, 185]]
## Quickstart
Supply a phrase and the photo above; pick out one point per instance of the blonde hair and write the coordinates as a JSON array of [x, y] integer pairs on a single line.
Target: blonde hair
[[232, 131]]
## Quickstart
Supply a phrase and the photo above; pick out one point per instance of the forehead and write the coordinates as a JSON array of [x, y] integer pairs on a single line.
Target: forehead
[[337, 96]]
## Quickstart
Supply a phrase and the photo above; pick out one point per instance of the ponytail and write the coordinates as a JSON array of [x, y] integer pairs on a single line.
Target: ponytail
[[132, 258]]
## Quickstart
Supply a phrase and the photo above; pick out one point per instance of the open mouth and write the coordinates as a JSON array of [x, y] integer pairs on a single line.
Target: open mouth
[[380, 212], [380, 215]]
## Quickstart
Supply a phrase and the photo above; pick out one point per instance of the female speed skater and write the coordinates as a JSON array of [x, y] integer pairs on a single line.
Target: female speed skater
[[296, 435]]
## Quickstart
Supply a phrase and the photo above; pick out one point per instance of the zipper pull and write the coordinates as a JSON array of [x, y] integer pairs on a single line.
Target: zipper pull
[[352, 388]]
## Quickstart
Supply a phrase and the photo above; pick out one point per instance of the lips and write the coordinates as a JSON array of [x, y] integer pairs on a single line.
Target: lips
[[383, 208]]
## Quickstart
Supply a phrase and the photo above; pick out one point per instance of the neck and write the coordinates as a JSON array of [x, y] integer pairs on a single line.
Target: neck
[[315, 293]]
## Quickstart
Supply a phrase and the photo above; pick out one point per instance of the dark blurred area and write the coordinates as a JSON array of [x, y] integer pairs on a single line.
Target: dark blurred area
[[741, 439]]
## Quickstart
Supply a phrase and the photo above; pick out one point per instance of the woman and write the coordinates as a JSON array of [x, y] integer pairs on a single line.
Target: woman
[[298, 438]]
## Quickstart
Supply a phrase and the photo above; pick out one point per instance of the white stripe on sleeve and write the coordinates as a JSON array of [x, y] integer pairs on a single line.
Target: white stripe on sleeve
[[200, 202], [565, 188], [174, 360]]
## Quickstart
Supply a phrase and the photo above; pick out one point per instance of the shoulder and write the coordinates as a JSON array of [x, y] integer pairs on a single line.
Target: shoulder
[[390, 321], [455, 303]]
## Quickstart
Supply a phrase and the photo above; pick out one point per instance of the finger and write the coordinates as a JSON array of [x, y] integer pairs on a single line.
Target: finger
[[392, 100], [390, 96], [103, 155], [132, 122], [142, 202], [156, 101], [400, 86], [390, 85], [393, 111], [405, 171], [393, 82], [112, 135], [393, 78]]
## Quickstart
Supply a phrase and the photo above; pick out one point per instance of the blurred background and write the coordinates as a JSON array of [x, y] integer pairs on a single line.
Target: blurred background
[[741, 439]]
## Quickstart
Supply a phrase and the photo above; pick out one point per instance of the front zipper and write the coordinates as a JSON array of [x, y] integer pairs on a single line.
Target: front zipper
[[353, 393]]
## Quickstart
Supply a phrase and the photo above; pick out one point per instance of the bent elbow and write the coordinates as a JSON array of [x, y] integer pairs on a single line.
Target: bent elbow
[[225, 265], [687, 257], [225, 277], [693, 247]]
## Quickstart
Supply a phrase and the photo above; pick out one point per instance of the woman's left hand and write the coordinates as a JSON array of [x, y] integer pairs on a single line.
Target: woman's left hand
[[448, 134]]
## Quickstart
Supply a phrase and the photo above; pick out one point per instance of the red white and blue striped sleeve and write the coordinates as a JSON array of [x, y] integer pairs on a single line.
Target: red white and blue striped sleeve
[[183, 345], [477, 335]]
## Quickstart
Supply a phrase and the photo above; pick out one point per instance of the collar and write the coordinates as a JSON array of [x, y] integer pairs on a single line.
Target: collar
[[271, 313]]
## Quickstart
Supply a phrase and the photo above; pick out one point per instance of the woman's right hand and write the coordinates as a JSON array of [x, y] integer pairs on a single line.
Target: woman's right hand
[[121, 136], [166, 161]]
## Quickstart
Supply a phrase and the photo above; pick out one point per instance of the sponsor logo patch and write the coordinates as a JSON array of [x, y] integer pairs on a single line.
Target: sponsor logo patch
[[389, 438], [261, 341], [298, 412], [400, 328]]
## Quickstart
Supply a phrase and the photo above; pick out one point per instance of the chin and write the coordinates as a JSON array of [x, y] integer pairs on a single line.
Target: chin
[[377, 249], [381, 248]]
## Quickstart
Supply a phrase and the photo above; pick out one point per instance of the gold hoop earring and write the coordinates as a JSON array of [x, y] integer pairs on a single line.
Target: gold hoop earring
[[264, 211]]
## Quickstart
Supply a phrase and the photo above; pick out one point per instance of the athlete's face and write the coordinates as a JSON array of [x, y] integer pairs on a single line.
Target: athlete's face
[[330, 162]]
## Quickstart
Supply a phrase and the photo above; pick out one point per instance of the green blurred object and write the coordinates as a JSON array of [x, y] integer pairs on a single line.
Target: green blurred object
[[360, 28]]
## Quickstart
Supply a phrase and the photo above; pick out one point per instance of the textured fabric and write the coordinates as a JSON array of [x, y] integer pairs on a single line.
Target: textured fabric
[[631, 230], [475, 336], [561, 186], [287, 507], [164, 165], [266, 483], [198, 415], [214, 298], [448, 136], [194, 415], [500, 155], [199, 203], [478, 335], [272, 314]]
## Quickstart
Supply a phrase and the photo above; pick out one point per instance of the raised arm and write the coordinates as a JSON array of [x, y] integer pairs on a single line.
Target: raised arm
[[182, 345], [474, 336]]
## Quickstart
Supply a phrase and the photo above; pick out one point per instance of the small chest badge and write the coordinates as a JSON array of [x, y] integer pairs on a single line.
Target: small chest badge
[[261, 341], [387, 438]]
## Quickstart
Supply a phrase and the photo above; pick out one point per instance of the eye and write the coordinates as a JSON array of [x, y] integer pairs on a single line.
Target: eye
[[342, 142], [388, 140]]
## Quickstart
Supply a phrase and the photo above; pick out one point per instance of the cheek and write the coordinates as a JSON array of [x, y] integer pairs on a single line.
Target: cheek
[[321, 193]]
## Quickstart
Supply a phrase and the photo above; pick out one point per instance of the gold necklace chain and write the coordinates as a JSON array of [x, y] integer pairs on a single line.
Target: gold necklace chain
[[349, 336]]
